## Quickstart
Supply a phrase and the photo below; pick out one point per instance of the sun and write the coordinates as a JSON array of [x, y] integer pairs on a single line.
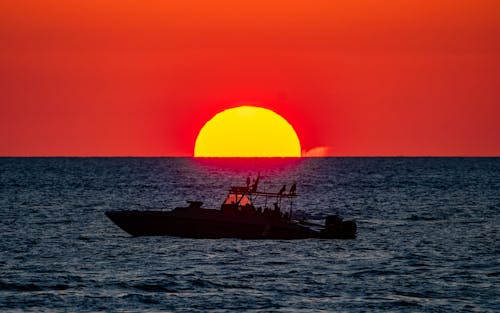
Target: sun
[[247, 131]]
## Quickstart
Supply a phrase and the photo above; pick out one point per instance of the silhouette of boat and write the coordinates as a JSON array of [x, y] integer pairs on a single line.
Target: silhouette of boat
[[237, 218]]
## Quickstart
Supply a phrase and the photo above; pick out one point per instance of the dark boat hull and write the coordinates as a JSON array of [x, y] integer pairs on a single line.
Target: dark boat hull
[[207, 223]]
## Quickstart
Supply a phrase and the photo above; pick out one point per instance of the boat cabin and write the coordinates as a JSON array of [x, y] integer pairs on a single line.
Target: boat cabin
[[241, 199]]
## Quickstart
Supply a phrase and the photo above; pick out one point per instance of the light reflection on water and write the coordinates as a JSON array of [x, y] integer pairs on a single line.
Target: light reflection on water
[[428, 236]]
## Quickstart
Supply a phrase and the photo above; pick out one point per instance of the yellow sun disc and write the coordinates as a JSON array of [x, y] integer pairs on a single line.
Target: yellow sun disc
[[247, 131]]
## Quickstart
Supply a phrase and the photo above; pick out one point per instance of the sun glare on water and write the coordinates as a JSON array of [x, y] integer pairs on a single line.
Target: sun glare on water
[[247, 131]]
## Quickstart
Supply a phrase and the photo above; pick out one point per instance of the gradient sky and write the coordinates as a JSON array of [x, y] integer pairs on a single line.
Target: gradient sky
[[358, 77]]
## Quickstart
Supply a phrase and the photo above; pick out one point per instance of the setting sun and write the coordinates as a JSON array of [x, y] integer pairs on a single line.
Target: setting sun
[[247, 131]]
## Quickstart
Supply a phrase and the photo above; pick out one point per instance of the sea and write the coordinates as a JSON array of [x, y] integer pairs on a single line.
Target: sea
[[428, 237]]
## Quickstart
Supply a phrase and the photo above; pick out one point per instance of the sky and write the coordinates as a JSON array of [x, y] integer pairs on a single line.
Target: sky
[[354, 78]]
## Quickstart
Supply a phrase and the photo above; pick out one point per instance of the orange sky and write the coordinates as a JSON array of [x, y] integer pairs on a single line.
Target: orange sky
[[357, 77]]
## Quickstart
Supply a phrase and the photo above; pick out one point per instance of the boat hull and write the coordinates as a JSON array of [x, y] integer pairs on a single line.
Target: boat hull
[[208, 223]]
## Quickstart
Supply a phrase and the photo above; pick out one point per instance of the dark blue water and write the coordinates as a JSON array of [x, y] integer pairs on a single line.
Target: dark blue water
[[428, 237]]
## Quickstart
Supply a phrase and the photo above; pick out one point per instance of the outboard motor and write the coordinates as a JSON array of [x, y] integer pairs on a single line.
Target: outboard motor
[[336, 228], [349, 229], [333, 223]]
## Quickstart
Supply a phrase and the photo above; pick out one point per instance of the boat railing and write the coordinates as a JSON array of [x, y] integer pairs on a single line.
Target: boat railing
[[249, 192]]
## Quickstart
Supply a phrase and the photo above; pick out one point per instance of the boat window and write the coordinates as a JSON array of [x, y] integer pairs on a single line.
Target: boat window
[[233, 198]]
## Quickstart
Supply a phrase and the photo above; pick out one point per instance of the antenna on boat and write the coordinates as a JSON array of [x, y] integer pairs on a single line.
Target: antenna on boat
[[282, 190], [280, 194], [293, 189], [292, 192], [255, 184]]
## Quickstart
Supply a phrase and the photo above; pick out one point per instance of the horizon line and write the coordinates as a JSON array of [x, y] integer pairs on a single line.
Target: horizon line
[[277, 157]]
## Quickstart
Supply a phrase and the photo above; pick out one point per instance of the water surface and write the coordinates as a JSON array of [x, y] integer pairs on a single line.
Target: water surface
[[428, 237]]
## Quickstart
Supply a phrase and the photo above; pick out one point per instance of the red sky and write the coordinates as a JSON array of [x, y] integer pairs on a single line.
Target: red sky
[[360, 77]]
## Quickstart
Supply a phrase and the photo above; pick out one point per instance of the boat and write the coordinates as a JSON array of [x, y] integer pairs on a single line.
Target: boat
[[238, 217]]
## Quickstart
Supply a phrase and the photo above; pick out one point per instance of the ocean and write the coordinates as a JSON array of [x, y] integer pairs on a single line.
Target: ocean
[[428, 237]]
